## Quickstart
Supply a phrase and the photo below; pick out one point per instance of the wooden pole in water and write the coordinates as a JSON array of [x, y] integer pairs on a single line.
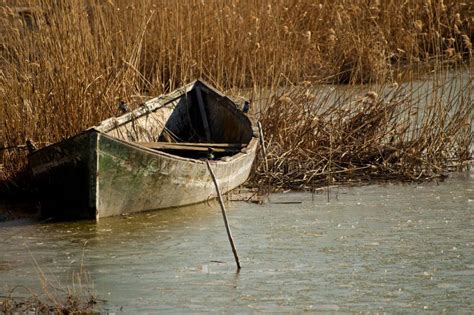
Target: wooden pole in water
[[227, 227], [262, 145]]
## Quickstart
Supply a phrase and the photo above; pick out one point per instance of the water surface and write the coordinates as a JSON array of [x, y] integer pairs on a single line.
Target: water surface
[[388, 248]]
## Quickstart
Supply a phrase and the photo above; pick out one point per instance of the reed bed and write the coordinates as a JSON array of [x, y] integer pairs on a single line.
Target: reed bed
[[327, 136], [65, 65]]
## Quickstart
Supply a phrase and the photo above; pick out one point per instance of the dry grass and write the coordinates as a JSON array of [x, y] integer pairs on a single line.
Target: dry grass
[[65, 65], [55, 298], [327, 136]]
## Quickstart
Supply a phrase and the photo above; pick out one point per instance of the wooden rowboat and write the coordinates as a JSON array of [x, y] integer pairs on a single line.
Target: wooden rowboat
[[151, 158]]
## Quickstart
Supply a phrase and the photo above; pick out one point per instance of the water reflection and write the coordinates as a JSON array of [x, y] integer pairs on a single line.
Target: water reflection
[[390, 248]]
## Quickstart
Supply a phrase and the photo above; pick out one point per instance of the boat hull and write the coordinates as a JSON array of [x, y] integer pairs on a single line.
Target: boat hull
[[149, 158], [133, 178], [65, 177], [93, 175]]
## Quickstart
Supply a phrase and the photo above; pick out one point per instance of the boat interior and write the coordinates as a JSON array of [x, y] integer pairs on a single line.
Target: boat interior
[[199, 123]]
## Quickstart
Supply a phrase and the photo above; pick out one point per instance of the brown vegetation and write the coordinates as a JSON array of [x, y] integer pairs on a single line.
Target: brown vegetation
[[55, 298], [65, 65], [319, 137]]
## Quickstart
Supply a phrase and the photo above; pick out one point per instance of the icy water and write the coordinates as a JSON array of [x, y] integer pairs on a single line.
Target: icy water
[[393, 248]]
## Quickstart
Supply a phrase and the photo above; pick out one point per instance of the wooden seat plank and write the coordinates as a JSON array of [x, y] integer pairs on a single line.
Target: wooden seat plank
[[201, 147]]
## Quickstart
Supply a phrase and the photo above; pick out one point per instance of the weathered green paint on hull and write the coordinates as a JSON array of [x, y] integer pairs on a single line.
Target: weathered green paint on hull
[[104, 171], [133, 178], [94, 175]]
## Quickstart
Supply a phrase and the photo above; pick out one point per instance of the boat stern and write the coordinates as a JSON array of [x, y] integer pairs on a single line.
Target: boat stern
[[65, 176]]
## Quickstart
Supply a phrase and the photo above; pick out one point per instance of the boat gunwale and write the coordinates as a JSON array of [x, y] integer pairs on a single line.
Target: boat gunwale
[[149, 106], [146, 108], [153, 105], [61, 142]]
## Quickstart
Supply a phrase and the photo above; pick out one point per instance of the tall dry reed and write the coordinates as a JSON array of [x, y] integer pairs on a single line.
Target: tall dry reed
[[327, 136], [66, 64]]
